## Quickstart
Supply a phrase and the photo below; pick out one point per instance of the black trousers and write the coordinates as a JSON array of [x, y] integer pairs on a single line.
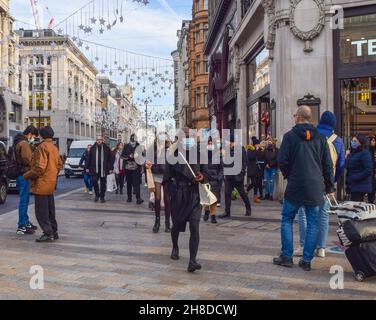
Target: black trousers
[[357, 196], [45, 214], [256, 182], [120, 181], [100, 185], [229, 186], [133, 183]]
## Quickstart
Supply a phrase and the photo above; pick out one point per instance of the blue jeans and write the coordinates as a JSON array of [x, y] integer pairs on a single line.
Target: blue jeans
[[323, 225], [269, 180], [24, 192], [289, 211], [88, 182]]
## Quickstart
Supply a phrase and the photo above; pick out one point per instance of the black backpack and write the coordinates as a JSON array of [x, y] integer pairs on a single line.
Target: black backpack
[[13, 170]]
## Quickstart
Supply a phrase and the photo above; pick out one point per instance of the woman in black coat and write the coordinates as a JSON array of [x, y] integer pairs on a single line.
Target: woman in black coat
[[359, 166], [213, 173]]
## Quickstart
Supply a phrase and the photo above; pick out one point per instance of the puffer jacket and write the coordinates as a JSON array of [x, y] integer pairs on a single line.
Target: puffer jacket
[[253, 168], [359, 172], [23, 152], [45, 168]]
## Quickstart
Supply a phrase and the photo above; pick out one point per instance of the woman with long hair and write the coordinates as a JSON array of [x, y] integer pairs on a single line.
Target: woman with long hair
[[118, 167], [158, 167], [359, 167]]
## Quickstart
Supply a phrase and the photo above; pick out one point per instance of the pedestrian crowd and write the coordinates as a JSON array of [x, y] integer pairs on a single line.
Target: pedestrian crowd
[[311, 159]]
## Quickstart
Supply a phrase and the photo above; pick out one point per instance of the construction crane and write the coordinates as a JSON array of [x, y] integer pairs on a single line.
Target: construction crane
[[52, 20], [35, 14]]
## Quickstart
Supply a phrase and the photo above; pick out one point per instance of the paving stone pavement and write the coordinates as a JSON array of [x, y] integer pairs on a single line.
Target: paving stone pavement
[[108, 251]]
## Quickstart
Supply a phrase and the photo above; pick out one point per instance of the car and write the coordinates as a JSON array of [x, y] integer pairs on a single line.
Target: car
[[12, 186], [76, 150], [3, 178]]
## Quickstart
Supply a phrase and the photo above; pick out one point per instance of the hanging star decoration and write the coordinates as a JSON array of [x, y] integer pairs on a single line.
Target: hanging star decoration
[[87, 48], [60, 31], [81, 27], [96, 59], [109, 26], [106, 66], [80, 43], [93, 20], [102, 21], [74, 38], [101, 30], [88, 30]]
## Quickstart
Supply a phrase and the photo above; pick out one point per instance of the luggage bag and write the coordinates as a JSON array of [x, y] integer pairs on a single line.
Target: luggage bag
[[362, 258]]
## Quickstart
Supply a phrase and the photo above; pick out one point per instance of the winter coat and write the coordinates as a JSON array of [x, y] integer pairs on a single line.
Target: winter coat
[[253, 168], [213, 173], [45, 168], [108, 160], [271, 158], [128, 154], [23, 152], [359, 172], [338, 144], [83, 160], [157, 168], [240, 176], [305, 162]]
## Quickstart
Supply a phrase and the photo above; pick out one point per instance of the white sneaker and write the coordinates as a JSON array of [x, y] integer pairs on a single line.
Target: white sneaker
[[85, 190], [91, 193], [298, 252], [218, 205], [320, 253]]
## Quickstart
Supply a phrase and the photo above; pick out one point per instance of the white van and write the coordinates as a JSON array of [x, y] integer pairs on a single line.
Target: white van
[[77, 149]]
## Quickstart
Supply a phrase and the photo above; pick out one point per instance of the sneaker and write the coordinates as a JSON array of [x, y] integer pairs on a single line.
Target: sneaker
[[213, 220], [306, 266], [85, 190], [218, 205], [91, 193], [45, 238], [320, 253], [32, 227], [299, 252], [206, 216], [23, 231], [140, 201], [283, 261]]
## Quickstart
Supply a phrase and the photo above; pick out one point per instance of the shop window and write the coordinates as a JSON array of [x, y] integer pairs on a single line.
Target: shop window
[[49, 101], [39, 101], [258, 73], [30, 102]]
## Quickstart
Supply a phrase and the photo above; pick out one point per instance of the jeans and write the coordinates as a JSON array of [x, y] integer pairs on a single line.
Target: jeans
[[24, 192], [88, 182], [269, 180], [289, 211]]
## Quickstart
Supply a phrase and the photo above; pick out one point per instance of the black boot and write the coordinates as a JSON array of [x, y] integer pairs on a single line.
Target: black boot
[[167, 228], [213, 220], [117, 191], [206, 216], [157, 225], [56, 235], [193, 266], [45, 238], [96, 199], [175, 253], [248, 212]]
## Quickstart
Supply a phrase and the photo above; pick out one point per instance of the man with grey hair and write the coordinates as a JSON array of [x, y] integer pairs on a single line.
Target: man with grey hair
[[304, 160]]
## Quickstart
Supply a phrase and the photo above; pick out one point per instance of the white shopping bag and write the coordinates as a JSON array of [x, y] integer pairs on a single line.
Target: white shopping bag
[[111, 183]]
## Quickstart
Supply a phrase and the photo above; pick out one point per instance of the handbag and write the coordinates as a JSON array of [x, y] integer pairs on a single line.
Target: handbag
[[207, 198], [111, 183], [150, 180]]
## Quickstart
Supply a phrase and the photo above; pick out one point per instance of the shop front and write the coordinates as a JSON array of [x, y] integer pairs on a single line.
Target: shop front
[[355, 73]]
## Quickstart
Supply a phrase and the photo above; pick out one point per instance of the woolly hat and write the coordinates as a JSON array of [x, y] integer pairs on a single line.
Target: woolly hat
[[328, 119]]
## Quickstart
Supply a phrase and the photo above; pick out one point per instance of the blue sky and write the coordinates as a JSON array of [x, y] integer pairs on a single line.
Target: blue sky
[[147, 29]]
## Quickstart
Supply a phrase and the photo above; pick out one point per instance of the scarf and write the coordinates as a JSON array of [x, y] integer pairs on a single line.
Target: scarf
[[102, 173]]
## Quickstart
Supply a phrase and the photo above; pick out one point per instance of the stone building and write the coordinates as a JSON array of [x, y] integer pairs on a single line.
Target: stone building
[[12, 104], [198, 65], [59, 83]]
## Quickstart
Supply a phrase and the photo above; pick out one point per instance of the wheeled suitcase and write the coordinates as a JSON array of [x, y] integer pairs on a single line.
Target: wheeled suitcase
[[353, 232], [362, 258]]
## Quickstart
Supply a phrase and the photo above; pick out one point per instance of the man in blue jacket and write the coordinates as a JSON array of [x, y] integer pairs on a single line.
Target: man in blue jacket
[[326, 128], [305, 162]]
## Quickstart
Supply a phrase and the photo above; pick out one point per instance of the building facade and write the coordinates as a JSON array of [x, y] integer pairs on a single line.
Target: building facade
[[12, 104], [59, 83], [182, 112], [198, 73]]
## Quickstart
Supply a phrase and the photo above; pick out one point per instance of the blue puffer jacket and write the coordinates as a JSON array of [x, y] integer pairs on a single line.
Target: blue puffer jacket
[[327, 132], [359, 172]]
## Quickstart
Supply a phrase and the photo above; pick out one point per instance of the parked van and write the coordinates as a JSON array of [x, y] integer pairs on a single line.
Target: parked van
[[77, 149]]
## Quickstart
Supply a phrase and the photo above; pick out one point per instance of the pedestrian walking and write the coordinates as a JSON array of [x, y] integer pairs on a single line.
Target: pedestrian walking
[[23, 157], [305, 162], [100, 164], [359, 167], [157, 165], [372, 150], [236, 181], [271, 168], [133, 171], [213, 173], [254, 171], [43, 174], [119, 167], [87, 178], [184, 190], [326, 127]]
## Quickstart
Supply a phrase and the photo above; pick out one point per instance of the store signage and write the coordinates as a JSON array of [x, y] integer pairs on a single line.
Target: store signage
[[359, 47]]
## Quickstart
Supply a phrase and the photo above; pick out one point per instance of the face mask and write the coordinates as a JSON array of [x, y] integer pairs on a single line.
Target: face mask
[[31, 140], [188, 143], [355, 144]]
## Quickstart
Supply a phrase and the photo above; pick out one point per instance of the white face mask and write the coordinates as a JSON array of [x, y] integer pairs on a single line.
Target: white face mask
[[31, 140]]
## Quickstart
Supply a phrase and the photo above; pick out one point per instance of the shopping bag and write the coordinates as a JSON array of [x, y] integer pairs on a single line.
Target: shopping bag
[[111, 183], [150, 180], [152, 197], [207, 198]]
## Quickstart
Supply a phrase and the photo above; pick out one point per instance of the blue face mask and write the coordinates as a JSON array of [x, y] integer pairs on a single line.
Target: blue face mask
[[355, 144], [188, 143]]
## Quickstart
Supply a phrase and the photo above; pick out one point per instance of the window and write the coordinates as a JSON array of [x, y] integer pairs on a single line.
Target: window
[[16, 114], [49, 101], [206, 63], [206, 97], [49, 60], [246, 4], [49, 82], [206, 28], [44, 121], [198, 98], [258, 73], [39, 81], [82, 129], [197, 5], [30, 83], [197, 68], [39, 101], [71, 127], [205, 4], [30, 102], [77, 127], [39, 59]]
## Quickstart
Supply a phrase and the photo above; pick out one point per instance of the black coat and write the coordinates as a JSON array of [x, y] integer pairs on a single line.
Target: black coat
[[305, 162], [157, 168], [253, 168], [271, 158], [184, 193], [240, 176], [213, 174], [128, 155], [108, 160], [359, 172], [84, 159]]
